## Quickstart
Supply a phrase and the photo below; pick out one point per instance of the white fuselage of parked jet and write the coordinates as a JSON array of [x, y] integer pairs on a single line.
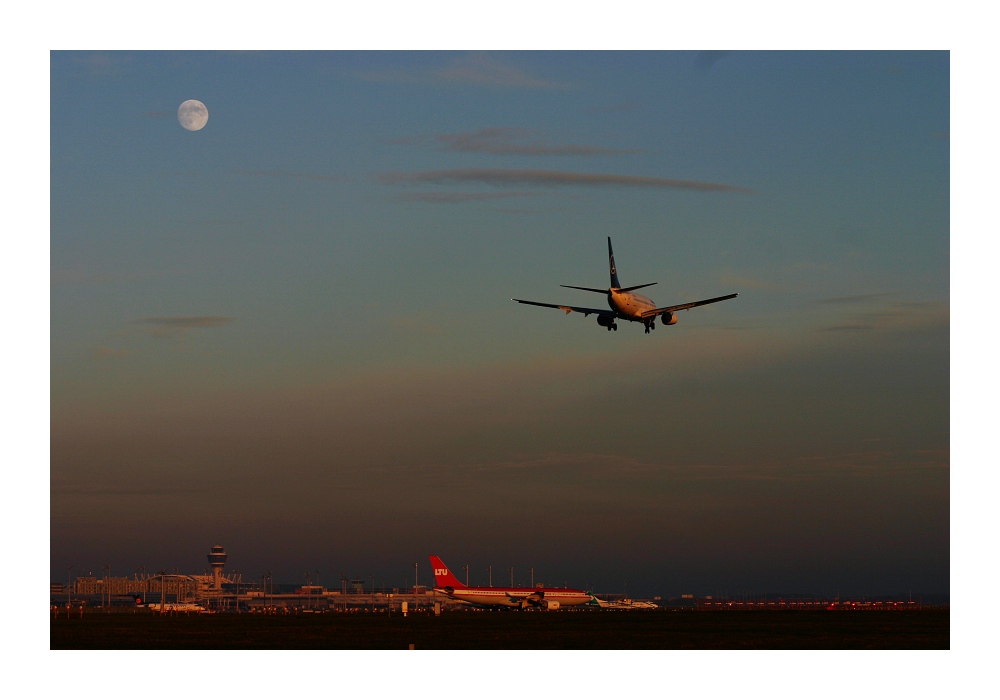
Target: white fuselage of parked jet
[[517, 597]]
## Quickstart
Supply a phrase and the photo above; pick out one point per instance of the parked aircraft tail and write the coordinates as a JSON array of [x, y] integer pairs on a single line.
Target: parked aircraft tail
[[443, 578]]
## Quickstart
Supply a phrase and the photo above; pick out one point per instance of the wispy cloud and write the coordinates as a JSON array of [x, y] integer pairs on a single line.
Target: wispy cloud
[[102, 64], [509, 141], [552, 178], [848, 328], [898, 316], [883, 458], [483, 69], [856, 298]]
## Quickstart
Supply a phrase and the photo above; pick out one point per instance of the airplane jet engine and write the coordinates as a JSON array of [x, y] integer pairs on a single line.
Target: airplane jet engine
[[668, 319], [608, 322]]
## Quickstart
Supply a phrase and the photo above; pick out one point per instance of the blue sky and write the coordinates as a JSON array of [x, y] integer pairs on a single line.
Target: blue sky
[[296, 321]]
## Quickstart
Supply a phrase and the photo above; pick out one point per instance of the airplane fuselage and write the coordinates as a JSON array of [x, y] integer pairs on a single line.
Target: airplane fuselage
[[629, 304], [173, 607], [516, 597]]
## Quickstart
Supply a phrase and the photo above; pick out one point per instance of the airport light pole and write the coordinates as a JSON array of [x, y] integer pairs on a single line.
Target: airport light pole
[[532, 570], [107, 586], [466, 575], [489, 572], [69, 587], [415, 577], [511, 570], [163, 589]]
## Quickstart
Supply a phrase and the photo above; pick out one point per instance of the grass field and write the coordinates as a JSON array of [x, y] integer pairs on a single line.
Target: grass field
[[927, 628]]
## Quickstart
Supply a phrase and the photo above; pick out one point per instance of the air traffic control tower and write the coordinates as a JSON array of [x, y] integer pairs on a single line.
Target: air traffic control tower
[[217, 559]]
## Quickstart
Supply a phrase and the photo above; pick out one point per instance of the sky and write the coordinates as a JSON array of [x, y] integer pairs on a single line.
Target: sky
[[290, 332]]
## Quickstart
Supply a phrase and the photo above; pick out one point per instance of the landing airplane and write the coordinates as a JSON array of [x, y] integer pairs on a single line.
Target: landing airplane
[[511, 597], [626, 305]]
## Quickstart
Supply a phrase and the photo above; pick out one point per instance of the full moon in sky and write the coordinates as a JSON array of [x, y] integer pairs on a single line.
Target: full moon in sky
[[192, 114]]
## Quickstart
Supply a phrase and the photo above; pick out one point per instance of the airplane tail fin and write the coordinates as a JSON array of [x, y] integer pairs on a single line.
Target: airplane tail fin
[[611, 264], [443, 578]]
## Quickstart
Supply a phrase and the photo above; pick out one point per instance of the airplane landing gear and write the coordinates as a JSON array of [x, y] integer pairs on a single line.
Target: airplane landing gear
[[613, 327]]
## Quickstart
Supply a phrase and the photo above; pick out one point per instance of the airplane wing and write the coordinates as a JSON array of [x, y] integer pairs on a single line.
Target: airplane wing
[[680, 307], [534, 598], [579, 309]]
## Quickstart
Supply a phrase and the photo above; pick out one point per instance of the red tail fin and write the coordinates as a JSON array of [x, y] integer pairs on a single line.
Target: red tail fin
[[442, 576]]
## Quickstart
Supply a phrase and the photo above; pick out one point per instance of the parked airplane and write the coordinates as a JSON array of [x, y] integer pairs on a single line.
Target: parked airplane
[[509, 597], [171, 607], [624, 604], [626, 305]]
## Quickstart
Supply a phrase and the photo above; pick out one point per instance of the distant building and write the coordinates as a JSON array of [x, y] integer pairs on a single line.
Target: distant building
[[115, 585]]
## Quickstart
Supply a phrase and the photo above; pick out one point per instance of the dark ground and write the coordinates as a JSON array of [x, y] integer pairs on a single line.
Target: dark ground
[[926, 628]]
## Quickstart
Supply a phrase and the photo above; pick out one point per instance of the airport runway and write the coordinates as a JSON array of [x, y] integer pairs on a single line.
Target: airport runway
[[927, 628]]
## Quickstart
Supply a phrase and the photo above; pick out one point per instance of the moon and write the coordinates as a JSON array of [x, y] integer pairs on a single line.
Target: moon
[[192, 114]]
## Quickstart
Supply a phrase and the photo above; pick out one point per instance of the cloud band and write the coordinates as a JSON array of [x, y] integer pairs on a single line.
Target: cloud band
[[506, 177]]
